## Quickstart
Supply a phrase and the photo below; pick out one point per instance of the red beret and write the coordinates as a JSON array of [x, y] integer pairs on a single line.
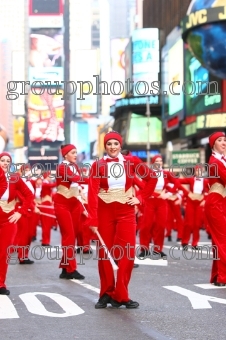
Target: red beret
[[112, 135], [155, 157], [67, 148], [214, 136], [6, 154], [46, 174]]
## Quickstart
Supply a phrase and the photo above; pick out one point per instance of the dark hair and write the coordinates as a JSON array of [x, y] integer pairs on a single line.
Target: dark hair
[[125, 152], [62, 146]]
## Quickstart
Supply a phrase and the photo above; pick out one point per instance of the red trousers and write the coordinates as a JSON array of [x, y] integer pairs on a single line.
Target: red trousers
[[154, 223], [23, 236], [192, 222], [7, 237], [34, 222], [215, 213], [117, 227], [68, 215], [47, 222], [174, 219]]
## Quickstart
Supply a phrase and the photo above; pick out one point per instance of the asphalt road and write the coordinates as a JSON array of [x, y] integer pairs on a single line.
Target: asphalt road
[[176, 301]]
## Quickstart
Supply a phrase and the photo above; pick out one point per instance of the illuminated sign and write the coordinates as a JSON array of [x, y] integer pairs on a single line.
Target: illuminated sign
[[138, 132], [176, 74], [210, 121], [206, 95], [133, 102], [118, 65], [188, 157], [46, 55], [145, 57], [203, 16]]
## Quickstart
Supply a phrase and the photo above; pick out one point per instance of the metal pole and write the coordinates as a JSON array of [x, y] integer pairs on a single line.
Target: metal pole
[[148, 114]]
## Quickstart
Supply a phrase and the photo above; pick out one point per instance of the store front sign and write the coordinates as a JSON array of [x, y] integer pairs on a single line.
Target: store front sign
[[188, 157]]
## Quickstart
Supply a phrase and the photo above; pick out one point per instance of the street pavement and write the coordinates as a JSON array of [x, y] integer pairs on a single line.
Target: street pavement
[[176, 300]]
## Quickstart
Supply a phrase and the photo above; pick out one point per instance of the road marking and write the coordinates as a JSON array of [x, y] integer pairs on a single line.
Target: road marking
[[7, 309], [189, 249], [198, 301], [86, 285], [208, 286], [35, 306]]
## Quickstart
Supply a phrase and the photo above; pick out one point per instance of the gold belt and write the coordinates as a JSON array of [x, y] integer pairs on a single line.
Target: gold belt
[[38, 200], [158, 191], [115, 195], [194, 197], [47, 198], [6, 206], [68, 193], [218, 188]]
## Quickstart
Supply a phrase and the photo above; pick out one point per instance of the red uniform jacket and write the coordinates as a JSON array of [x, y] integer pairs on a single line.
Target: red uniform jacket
[[98, 180], [171, 179], [16, 185], [3, 182], [47, 189], [191, 180]]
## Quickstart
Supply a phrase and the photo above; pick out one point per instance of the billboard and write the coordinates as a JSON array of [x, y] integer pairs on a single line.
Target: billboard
[[46, 55], [195, 73], [118, 66], [176, 74], [128, 65], [44, 13], [145, 58], [84, 66], [138, 132], [45, 116], [18, 132]]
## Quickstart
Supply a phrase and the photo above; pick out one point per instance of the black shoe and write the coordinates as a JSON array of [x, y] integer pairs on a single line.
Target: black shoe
[[144, 253], [63, 275], [219, 284], [170, 238], [160, 255], [27, 261], [209, 237], [185, 246], [4, 291], [78, 250], [46, 245], [135, 265], [196, 247], [178, 239], [103, 301], [129, 304], [75, 275], [33, 239]]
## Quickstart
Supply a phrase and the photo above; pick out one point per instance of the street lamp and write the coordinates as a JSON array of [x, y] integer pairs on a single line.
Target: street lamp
[[148, 114]]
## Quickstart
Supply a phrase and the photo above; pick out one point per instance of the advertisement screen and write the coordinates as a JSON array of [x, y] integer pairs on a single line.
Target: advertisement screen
[[45, 117], [118, 65], [211, 98], [138, 131], [46, 55], [145, 52], [128, 64], [176, 73], [85, 75]]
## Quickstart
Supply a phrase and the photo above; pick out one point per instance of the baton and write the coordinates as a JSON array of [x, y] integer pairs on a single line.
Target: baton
[[80, 200], [114, 265], [53, 216], [45, 206]]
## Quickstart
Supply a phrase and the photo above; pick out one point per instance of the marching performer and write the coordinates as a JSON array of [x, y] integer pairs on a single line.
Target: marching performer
[[156, 209], [24, 224], [9, 217], [112, 214], [199, 188], [46, 200], [214, 206], [68, 209]]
